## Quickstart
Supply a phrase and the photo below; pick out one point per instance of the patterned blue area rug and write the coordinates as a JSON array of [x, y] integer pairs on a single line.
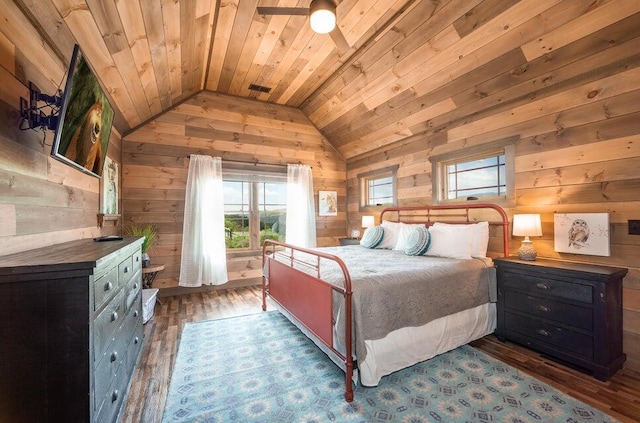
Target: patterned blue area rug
[[261, 368]]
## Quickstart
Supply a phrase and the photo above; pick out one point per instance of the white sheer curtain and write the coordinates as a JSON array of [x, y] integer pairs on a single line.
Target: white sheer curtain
[[204, 260], [301, 213]]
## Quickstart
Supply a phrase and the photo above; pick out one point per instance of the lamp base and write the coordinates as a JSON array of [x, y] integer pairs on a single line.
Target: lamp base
[[527, 251]]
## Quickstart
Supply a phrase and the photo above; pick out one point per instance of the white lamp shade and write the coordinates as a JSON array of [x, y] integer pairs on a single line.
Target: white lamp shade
[[527, 225], [368, 221], [322, 16]]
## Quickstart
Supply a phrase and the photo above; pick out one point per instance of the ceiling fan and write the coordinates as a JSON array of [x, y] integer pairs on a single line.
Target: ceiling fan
[[322, 18]]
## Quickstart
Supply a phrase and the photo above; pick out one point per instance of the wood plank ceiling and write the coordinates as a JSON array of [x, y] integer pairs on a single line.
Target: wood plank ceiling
[[389, 86]]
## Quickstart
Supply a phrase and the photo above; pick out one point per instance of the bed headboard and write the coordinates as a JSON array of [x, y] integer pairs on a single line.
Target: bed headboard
[[454, 214]]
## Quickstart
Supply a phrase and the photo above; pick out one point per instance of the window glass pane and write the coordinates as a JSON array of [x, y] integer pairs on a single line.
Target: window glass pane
[[273, 210], [380, 191], [476, 178], [236, 214], [272, 207]]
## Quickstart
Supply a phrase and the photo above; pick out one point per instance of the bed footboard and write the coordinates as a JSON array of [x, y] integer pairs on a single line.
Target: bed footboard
[[308, 298]]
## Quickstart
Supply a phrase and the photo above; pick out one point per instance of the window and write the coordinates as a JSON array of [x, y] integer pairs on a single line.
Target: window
[[481, 173], [254, 210], [378, 188]]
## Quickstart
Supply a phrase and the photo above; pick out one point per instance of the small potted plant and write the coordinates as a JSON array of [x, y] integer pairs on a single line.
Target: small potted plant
[[149, 232]]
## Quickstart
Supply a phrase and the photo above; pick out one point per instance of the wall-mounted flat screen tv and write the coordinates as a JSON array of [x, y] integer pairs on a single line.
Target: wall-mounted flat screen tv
[[85, 120]]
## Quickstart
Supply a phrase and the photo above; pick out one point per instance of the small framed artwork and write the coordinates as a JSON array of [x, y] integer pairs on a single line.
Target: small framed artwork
[[581, 233], [328, 203], [110, 187]]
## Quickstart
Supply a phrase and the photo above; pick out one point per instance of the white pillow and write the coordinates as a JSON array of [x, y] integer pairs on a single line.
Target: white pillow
[[405, 230], [475, 234], [449, 241], [391, 234]]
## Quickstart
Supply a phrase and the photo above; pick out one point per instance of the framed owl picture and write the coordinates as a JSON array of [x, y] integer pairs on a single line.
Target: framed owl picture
[[581, 233]]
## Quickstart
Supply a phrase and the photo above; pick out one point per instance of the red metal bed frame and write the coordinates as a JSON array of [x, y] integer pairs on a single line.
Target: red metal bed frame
[[309, 299]]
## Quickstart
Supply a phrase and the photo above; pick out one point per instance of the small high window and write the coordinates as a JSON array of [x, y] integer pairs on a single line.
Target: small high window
[[378, 188], [484, 173]]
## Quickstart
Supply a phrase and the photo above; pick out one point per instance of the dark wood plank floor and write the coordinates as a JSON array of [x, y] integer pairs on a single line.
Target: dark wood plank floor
[[619, 397]]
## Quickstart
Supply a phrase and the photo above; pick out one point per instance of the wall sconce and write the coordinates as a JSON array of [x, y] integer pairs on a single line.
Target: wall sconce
[[527, 225], [322, 16]]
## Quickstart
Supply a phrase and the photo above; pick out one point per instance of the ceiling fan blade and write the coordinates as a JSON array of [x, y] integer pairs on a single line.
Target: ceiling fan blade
[[340, 41], [302, 11]]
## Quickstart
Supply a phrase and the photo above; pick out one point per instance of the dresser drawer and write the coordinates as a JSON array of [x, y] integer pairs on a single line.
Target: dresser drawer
[[559, 338], [109, 404], [133, 288], [542, 286], [539, 307], [136, 259], [125, 271], [107, 323], [104, 288]]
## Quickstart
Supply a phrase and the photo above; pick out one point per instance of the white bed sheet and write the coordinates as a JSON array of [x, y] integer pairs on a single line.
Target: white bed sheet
[[407, 346]]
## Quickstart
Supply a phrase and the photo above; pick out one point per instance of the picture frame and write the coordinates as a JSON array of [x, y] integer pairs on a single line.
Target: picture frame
[[582, 233], [328, 203], [110, 179]]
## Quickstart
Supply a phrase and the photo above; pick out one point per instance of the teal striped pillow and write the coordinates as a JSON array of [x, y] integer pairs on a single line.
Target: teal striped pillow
[[372, 237], [418, 241]]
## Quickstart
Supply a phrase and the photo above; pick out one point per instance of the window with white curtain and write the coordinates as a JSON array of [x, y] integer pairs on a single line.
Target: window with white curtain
[[255, 207]]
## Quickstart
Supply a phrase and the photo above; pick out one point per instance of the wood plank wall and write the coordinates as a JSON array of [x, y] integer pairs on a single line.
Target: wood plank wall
[[42, 200], [574, 106], [155, 166]]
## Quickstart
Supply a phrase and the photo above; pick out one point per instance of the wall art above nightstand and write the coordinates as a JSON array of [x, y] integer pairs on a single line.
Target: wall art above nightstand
[[582, 233]]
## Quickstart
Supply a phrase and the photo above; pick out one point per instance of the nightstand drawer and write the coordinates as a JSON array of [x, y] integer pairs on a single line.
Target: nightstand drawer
[[540, 285], [559, 338], [579, 317]]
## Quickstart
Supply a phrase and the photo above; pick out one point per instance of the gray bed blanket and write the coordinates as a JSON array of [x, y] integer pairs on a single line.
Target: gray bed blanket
[[392, 290]]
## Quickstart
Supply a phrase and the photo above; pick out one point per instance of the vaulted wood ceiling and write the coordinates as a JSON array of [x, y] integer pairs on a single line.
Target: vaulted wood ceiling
[[414, 67]]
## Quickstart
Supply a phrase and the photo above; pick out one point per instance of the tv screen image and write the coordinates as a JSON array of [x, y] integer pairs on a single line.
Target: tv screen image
[[82, 136]]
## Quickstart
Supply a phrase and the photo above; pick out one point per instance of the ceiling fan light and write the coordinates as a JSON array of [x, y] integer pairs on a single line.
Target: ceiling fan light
[[322, 16]]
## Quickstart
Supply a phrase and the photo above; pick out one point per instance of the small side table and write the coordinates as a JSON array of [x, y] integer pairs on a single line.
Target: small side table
[[149, 274], [349, 241]]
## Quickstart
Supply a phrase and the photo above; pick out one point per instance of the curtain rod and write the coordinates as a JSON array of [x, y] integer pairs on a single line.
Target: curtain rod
[[255, 163]]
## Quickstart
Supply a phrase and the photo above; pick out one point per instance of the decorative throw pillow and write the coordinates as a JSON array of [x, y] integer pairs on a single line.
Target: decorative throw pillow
[[405, 229], [391, 234], [372, 237], [418, 241]]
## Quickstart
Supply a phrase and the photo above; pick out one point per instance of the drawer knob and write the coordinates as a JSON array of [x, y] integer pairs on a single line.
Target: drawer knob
[[135, 286], [542, 285], [114, 316], [114, 396], [108, 286], [126, 269], [114, 356], [135, 313], [543, 332], [542, 308], [136, 340]]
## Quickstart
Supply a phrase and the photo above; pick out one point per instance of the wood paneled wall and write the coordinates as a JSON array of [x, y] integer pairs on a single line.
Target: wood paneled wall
[[566, 83], [155, 159], [42, 200]]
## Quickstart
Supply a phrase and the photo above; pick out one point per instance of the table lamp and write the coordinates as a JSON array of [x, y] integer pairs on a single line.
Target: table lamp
[[368, 221], [527, 225]]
